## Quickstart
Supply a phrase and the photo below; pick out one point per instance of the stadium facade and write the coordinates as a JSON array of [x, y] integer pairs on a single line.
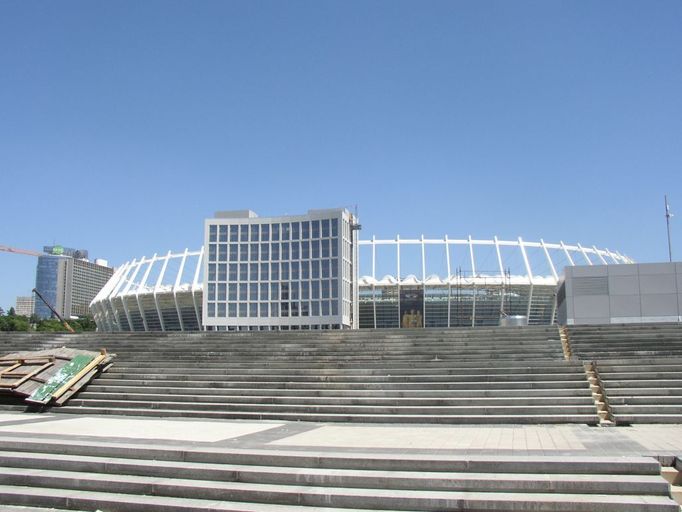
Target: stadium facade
[[306, 277]]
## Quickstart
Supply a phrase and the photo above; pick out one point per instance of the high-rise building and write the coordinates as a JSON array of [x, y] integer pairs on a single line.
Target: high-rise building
[[292, 272], [24, 306], [68, 281]]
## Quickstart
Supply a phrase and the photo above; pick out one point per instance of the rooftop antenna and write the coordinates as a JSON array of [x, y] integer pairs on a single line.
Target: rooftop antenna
[[667, 221]]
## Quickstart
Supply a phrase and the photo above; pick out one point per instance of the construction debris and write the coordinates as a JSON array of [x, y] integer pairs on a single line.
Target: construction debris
[[50, 376]]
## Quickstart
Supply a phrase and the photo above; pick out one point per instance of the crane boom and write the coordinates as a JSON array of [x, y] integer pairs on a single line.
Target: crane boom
[[64, 322], [14, 250]]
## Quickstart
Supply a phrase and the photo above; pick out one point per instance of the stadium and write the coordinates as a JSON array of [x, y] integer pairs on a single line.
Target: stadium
[[402, 283]]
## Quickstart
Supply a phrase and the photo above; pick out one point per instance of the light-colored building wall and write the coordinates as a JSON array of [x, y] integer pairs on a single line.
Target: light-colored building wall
[[24, 306], [634, 293], [290, 272]]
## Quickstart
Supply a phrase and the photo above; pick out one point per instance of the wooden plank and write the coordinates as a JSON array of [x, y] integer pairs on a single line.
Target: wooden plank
[[93, 364], [15, 365], [34, 372], [44, 393], [77, 386]]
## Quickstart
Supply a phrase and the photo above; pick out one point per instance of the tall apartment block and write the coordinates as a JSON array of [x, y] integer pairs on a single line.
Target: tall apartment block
[[68, 281], [280, 273], [24, 306]]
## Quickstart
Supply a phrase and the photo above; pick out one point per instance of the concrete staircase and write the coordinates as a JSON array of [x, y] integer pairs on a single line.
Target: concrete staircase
[[640, 368], [81, 475], [618, 341], [643, 391], [497, 375]]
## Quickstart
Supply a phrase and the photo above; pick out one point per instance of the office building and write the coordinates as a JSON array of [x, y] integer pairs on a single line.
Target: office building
[[24, 306], [292, 272], [68, 281]]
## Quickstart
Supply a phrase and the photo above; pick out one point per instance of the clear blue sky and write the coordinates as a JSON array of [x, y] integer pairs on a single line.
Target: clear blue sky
[[124, 124]]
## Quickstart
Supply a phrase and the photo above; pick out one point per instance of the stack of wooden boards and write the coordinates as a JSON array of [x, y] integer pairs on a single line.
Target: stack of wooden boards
[[50, 376]]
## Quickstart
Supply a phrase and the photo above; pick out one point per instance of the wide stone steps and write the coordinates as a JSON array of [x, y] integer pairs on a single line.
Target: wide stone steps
[[626, 341], [398, 479], [377, 376], [313, 408], [194, 381], [435, 365], [423, 378], [147, 387], [472, 419], [115, 477], [363, 401], [649, 391]]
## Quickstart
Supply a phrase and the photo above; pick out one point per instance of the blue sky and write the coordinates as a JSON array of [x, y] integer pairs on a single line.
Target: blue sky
[[124, 124]]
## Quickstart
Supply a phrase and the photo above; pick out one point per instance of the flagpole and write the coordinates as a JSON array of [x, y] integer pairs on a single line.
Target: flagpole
[[667, 221]]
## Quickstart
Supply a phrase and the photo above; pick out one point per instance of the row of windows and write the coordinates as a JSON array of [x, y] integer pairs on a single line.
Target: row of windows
[[314, 327], [274, 251], [272, 309], [284, 271], [324, 289], [305, 230]]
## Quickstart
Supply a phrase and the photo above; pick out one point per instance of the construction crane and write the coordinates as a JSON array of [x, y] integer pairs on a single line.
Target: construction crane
[[64, 322], [26, 252]]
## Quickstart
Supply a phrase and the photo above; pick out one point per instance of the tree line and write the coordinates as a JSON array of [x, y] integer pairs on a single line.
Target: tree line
[[10, 321]]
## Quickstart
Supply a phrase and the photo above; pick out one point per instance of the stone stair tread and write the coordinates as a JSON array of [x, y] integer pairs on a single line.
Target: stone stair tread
[[546, 464], [317, 496], [371, 400], [111, 387], [397, 479], [140, 503], [321, 417]]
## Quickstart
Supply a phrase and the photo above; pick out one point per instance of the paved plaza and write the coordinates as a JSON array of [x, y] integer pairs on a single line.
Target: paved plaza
[[663, 441]]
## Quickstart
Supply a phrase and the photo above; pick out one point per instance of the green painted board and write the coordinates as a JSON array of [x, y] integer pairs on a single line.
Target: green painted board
[[44, 393]]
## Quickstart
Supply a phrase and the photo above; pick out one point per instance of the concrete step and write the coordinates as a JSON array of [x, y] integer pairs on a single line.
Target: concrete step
[[644, 392], [226, 376], [646, 400], [432, 368], [511, 410], [110, 502], [140, 395], [643, 383], [313, 496], [78, 474], [179, 381], [117, 386], [630, 418], [643, 374], [425, 480], [651, 408], [474, 502], [574, 464]]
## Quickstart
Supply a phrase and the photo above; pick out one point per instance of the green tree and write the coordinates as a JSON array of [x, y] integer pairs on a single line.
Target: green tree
[[14, 323], [11, 312], [86, 323], [50, 325]]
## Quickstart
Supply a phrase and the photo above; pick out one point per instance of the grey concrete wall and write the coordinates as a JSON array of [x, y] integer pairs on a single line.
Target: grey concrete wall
[[637, 293]]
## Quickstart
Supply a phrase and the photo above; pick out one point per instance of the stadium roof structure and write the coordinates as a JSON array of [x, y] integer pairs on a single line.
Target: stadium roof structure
[[472, 281]]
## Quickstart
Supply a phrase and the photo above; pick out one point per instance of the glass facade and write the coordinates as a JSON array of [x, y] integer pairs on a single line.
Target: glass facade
[[284, 272], [68, 284], [465, 305], [47, 283]]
